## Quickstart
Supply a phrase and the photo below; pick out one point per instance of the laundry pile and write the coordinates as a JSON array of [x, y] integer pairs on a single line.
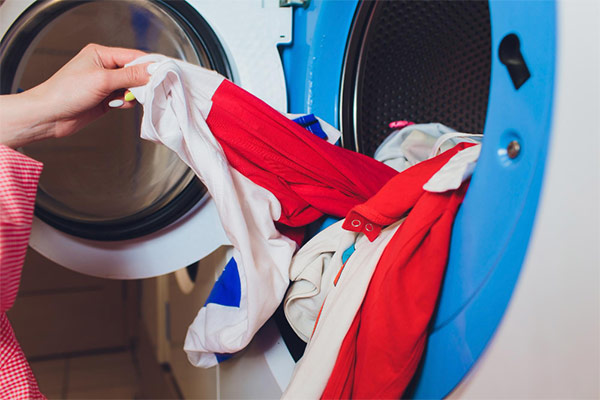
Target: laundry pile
[[364, 289]]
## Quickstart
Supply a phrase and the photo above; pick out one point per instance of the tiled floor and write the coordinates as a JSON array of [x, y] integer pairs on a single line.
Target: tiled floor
[[100, 376]]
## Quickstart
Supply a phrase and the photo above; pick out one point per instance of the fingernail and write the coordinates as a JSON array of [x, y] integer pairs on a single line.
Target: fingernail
[[151, 68], [129, 96], [115, 103]]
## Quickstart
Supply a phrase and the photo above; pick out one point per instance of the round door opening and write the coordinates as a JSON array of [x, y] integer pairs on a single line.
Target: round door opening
[[105, 183], [421, 61]]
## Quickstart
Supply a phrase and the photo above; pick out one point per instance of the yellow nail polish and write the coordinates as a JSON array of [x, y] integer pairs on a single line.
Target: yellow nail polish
[[129, 96]]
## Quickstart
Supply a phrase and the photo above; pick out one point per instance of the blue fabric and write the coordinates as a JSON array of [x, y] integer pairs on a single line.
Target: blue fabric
[[347, 253], [227, 290], [317, 226], [345, 256], [311, 124], [329, 220], [223, 356]]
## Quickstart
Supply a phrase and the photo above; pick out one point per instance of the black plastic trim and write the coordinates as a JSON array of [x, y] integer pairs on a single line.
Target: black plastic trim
[[132, 227]]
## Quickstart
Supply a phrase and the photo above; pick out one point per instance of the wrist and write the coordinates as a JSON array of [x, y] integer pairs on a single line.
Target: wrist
[[23, 120]]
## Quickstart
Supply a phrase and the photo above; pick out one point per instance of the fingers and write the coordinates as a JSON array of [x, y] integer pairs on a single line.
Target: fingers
[[127, 77], [114, 57]]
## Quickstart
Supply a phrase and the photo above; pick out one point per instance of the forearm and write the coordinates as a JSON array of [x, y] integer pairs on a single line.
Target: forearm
[[22, 120]]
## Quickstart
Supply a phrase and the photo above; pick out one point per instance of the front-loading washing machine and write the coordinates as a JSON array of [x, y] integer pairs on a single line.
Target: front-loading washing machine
[[522, 73]]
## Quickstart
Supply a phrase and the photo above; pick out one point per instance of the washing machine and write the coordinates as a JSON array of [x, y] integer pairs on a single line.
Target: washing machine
[[518, 314]]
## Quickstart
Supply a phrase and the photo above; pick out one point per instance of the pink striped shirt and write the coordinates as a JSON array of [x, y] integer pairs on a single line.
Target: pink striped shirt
[[19, 177]]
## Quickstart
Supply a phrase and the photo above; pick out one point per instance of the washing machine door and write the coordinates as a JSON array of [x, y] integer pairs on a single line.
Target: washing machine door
[[110, 204], [475, 66]]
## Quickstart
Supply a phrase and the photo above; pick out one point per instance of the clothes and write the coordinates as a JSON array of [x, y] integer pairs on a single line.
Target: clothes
[[19, 177], [308, 176], [323, 130], [174, 114], [316, 126], [259, 167], [336, 316], [406, 147], [313, 371], [311, 124], [404, 288], [312, 272], [454, 137], [227, 289], [457, 170]]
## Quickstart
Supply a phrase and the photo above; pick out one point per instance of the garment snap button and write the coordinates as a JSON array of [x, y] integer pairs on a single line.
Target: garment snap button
[[368, 227], [355, 223]]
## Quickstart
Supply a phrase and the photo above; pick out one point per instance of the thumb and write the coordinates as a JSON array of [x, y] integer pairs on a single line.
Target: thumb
[[127, 77]]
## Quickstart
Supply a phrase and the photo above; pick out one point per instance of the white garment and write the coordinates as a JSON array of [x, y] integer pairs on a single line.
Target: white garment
[[408, 146], [312, 272], [339, 309], [455, 137], [457, 170], [176, 101]]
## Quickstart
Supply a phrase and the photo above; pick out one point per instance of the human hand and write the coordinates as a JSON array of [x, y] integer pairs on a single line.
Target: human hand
[[75, 95]]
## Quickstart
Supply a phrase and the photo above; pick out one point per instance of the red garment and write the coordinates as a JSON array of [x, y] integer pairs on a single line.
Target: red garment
[[18, 184], [309, 176], [383, 347]]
